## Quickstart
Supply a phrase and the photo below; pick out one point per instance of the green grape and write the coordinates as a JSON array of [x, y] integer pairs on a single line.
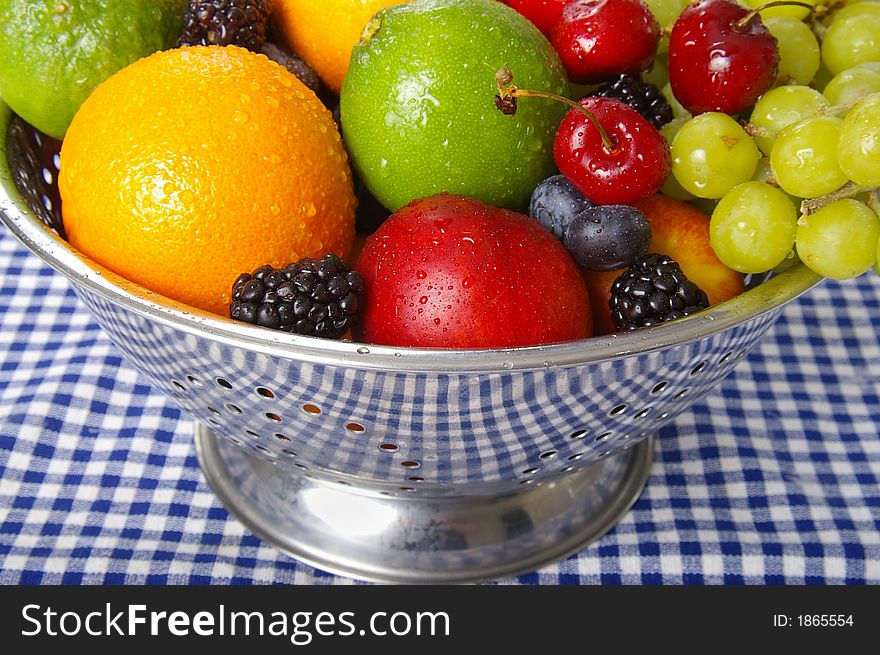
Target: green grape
[[853, 84], [857, 9], [851, 41], [671, 187], [764, 173], [781, 107], [791, 11], [678, 109], [753, 227], [798, 49], [821, 78], [858, 152], [711, 154], [839, 240], [877, 263], [658, 73], [804, 157], [666, 11]]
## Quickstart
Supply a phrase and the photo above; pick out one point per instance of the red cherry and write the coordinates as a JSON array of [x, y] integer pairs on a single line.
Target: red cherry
[[600, 39], [543, 13], [718, 61], [634, 167]]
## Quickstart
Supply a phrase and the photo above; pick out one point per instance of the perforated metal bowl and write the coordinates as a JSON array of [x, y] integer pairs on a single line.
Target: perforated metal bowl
[[415, 465]]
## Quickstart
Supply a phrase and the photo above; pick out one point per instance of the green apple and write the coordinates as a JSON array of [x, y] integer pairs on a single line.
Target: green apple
[[418, 110]]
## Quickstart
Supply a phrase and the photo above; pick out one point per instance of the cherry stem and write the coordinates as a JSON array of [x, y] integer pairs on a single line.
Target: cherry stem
[[511, 91], [848, 190], [745, 20]]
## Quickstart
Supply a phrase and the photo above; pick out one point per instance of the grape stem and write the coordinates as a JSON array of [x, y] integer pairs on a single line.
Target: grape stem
[[505, 101], [848, 190], [874, 199], [745, 20]]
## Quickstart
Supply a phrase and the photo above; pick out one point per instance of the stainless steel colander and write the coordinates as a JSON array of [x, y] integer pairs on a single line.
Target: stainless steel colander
[[415, 465]]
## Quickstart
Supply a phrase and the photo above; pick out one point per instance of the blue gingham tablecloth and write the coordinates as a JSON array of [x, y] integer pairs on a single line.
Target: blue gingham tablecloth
[[773, 478]]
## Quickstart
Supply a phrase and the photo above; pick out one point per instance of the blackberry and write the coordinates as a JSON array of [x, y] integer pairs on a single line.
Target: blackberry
[[316, 297], [644, 97], [226, 22], [653, 290], [296, 66], [34, 160]]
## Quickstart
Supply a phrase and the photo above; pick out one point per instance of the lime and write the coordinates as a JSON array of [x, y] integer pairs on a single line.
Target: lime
[[418, 109], [56, 51]]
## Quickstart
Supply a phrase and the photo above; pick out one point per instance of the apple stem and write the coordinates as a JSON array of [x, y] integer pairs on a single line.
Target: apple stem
[[848, 190], [505, 101], [745, 20]]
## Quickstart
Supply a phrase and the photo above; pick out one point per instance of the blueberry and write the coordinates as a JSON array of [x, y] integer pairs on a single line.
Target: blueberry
[[555, 202], [606, 237]]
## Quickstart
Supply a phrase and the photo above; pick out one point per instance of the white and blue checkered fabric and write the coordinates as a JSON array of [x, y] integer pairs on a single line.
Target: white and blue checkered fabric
[[773, 478]]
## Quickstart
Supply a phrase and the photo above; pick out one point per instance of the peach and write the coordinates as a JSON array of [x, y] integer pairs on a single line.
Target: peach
[[681, 231]]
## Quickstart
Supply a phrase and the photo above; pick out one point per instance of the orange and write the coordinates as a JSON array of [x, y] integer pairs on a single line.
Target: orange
[[324, 33], [193, 165]]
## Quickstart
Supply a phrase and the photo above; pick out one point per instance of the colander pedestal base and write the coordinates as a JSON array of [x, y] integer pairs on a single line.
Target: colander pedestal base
[[419, 537]]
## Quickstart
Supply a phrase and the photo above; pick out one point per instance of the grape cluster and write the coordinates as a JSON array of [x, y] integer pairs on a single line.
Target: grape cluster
[[797, 173]]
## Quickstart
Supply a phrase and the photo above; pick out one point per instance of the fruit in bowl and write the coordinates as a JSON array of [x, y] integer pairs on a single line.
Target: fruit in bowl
[[453, 272], [204, 169]]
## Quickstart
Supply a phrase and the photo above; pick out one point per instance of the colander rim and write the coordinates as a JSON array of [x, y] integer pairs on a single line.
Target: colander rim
[[88, 276]]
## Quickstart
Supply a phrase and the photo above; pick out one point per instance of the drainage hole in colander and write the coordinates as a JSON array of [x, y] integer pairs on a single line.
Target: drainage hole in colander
[[574, 458], [264, 450], [354, 427], [281, 437], [273, 417], [643, 413], [727, 357], [194, 381], [604, 453], [235, 409], [410, 464], [568, 469], [662, 416], [696, 370], [682, 393], [617, 411], [301, 466], [531, 471], [236, 441], [389, 447], [214, 411], [527, 481], [407, 488], [659, 387], [253, 434], [578, 434], [289, 453], [416, 478], [213, 422], [550, 454], [178, 385], [603, 437], [343, 483], [309, 408], [264, 392], [223, 382]]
